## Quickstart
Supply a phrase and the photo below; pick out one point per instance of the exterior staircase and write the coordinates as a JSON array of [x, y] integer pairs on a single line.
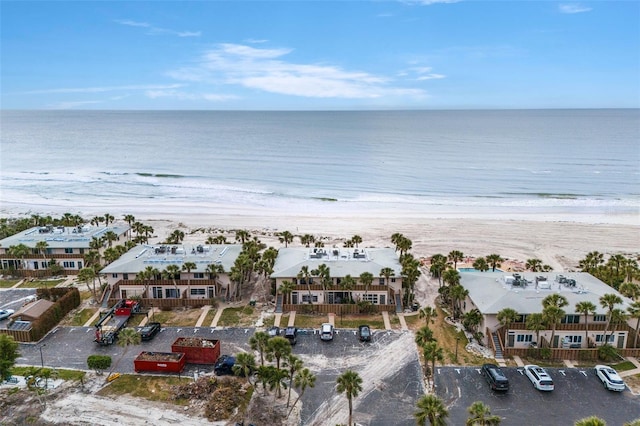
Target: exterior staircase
[[279, 304], [496, 344], [398, 304]]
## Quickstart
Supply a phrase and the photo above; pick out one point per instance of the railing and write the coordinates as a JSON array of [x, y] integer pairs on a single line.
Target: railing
[[171, 303], [570, 354], [349, 309], [599, 326]]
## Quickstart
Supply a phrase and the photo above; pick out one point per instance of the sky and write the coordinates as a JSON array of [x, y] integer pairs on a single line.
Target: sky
[[319, 55]]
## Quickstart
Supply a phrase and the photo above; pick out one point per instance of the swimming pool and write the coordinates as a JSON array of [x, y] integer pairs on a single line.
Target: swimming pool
[[475, 270]]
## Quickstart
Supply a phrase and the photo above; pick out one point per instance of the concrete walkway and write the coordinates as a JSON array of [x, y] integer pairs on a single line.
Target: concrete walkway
[[216, 318], [385, 318], [332, 319], [292, 319], [93, 318], [403, 323], [203, 315], [518, 361], [631, 372]]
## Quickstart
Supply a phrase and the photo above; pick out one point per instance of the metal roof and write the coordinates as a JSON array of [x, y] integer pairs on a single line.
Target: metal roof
[[493, 291], [341, 261]]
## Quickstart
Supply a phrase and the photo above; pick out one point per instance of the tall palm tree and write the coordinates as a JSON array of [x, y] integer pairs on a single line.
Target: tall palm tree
[[429, 313], [214, 271], [480, 415], [306, 275], [278, 348], [356, 239], [536, 322], [172, 272], [108, 218], [507, 316], [480, 264], [258, 342], [585, 307], [534, 265], [366, 278], [348, 283], [458, 294], [472, 319], [130, 219], [630, 290], [495, 261], [303, 379], [455, 256], [424, 335], [591, 262], [307, 239], [244, 365], [286, 237], [438, 266], [295, 365], [110, 236], [552, 311], [286, 288], [386, 273], [188, 267], [451, 277], [634, 312], [431, 409], [19, 251], [176, 237], [324, 274], [242, 235], [432, 353], [349, 383], [609, 302], [126, 338]]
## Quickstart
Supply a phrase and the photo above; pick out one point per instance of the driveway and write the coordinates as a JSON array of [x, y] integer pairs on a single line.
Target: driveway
[[578, 393]]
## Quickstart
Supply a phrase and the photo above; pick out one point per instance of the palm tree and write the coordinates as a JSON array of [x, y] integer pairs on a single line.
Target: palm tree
[[591, 421], [295, 365], [480, 415], [214, 272], [110, 236], [286, 237], [451, 277], [534, 265], [585, 307], [286, 288], [108, 218], [304, 379], [306, 275], [244, 365], [130, 219], [19, 251], [386, 273], [481, 264], [634, 312], [438, 266], [258, 342], [366, 278], [349, 383], [126, 337], [324, 273], [458, 293], [307, 239], [431, 409], [188, 267], [176, 237], [472, 319], [428, 313], [347, 283], [277, 348], [455, 256], [630, 290], [432, 353], [609, 302], [172, 272], [536, 322], [507, 316], [242, 235], [88, 276], [495, 261], [424, 335], [552, 311], [356, 239], [591, 262]]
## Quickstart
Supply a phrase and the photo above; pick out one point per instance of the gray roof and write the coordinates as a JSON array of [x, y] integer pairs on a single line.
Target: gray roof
[[492, 291], [341, 261], [160, 256], [61, 236]]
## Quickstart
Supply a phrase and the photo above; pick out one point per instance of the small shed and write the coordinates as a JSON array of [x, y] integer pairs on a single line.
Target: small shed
[[32, 311]]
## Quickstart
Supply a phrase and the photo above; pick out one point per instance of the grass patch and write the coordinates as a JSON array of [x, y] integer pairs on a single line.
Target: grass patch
[[81, 317], [208, 319], [232, 317], [414, 322], [40, 283], [74, 375], [623, 366], [374, 321], [152, 388], [446, 335], [8, 283]]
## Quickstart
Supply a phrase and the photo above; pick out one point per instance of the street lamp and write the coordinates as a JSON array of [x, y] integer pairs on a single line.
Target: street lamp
[[457, 340], [41, 358]]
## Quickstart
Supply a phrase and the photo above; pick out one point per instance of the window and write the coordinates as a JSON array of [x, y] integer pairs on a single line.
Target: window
[[521, 318], [124, 276], [114, 275], [382, 281], [571, 319], [373, 298], [599, 318], [197, 291], [393, 280], [526, 338], [157, 292], [305, 298], [68, 265], [600, 338], [198, 275], [171, 293], [573, 339], [68, 251]]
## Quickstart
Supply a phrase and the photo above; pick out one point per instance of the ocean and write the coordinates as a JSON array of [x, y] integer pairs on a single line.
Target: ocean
[[550, 163]]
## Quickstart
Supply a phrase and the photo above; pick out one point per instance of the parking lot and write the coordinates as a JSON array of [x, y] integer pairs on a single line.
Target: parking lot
[[578, 393], [389, 367]]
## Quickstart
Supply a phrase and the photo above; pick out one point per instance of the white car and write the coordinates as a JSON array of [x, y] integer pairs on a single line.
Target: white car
[[610, 378], [6, 313], [326, 331], [539, 377]]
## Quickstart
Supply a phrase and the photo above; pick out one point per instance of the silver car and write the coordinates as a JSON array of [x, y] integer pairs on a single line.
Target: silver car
[[326, 331], [6, 313], [610, 378]]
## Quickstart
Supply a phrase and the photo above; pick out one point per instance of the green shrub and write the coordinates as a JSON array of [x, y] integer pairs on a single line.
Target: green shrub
[[607, 353], [99, 363]]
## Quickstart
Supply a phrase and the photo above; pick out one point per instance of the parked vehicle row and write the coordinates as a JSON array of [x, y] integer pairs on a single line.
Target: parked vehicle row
[[541, 380]]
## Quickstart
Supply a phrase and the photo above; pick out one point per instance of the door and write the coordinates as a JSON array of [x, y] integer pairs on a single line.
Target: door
[[556, 339], [620, 340], [511, 337], [211, 292], [294, 298]]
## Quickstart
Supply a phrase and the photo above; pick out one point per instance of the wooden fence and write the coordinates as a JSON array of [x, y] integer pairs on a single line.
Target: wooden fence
[[350, 309], [18, 335]]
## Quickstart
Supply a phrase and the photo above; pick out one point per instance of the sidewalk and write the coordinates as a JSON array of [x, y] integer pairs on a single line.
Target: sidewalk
[[631, 372]]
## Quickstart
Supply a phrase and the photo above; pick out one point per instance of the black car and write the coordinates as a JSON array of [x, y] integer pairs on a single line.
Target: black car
[[149, 331], [364, 333], [224, 365], [495, 377], [291, 333]]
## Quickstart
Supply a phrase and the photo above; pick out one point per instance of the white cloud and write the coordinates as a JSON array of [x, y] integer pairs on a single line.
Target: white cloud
[[153, 30], [180, 95], [421, 73], [268, 71], [101, 89], [573, 8]]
